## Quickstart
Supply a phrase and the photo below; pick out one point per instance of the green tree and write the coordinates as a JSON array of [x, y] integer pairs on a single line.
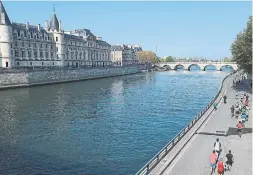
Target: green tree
[[242, 48], [147, 56], [169, 59], [162, 60], [226, 59]]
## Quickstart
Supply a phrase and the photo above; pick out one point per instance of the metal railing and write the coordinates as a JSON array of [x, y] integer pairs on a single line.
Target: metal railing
[[165, 150]]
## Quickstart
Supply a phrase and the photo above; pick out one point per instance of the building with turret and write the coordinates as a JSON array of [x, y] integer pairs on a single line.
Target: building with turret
[[26, 45]]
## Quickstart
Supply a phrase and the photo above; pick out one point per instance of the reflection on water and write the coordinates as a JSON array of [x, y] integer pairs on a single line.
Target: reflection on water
[[106, 126]]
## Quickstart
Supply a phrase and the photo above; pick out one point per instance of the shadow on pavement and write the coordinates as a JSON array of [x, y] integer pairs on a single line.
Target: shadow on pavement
[[245, 86], [220, 133], [232, 131]]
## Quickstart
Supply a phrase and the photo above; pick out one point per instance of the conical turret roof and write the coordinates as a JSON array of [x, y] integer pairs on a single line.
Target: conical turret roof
[[54, 23], [3, 13]]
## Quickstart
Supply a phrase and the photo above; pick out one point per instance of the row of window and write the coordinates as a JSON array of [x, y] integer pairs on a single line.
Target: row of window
[[73, 55], [29, 44], [31, 63], [25, 34], [28, 54], [90, 44]]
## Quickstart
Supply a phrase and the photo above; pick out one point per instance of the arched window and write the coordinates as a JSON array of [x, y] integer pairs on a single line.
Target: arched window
[[16, 53], [41, 54], [29, 54], [35, 53]]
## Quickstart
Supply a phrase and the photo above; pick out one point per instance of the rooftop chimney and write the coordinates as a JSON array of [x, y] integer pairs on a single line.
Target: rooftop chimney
[[39, 27], [27, 25], [46, 25]]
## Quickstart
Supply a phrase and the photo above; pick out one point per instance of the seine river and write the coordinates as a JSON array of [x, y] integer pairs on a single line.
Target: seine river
[[109, 126]]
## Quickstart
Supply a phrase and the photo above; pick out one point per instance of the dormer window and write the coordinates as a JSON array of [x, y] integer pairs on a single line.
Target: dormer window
[[18, 33]]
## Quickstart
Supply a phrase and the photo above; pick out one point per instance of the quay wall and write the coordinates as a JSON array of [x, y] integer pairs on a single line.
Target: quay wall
[[26, 78]]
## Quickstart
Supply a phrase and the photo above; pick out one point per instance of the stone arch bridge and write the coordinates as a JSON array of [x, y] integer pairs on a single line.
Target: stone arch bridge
[[202, 65]]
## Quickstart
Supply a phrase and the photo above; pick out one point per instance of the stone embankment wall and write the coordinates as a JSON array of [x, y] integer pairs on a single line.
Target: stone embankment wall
[[20, 78]]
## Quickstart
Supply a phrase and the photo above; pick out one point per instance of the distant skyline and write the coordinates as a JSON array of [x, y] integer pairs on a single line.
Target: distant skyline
[[180, 29]]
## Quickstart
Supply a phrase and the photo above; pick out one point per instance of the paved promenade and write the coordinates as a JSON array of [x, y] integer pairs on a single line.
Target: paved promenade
[[193, 159]]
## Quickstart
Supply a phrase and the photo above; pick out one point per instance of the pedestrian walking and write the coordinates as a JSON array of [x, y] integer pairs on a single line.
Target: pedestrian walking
[[230, 160], [217, 147], [247, 97], [215, 106], [221, 167], [213, 160]]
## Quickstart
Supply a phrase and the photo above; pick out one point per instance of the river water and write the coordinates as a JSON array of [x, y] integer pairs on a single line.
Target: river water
[[109, 126]]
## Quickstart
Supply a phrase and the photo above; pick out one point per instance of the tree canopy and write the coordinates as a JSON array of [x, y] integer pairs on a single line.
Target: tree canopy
[[242, 48], [147, 56], [169, 59], [226, 59]]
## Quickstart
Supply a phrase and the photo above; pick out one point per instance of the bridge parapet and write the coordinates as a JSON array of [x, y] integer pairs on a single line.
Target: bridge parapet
[[202, 65]]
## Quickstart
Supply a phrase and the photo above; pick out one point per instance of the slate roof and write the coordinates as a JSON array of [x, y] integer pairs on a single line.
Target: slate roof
[[3, 12], [117, 48], [74, 37], [54, 23], [20, 26]]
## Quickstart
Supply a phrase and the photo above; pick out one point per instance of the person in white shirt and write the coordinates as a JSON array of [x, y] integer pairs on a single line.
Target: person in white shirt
[[217, 147]]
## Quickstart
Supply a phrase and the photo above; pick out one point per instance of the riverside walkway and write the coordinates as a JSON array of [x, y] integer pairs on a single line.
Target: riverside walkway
[[193, 158]]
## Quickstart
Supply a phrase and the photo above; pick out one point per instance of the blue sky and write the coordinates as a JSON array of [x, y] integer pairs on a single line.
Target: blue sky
[[181, 29]]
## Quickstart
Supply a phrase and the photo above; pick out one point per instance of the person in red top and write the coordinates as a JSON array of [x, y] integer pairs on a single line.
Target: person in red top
[[246, 103], [221, 167], [213, 160], [239, 127]]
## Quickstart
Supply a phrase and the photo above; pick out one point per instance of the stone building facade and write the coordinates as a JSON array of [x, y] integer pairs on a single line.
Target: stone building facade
[[122, 55], [25, 45]]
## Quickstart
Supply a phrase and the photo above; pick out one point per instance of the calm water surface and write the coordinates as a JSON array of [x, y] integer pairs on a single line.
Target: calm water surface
[[110, 126]]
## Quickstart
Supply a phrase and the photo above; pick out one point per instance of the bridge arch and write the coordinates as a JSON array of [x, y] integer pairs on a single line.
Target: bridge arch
[[179, 66], [166, 67], [227, 66], [189, 67], [210, 65]]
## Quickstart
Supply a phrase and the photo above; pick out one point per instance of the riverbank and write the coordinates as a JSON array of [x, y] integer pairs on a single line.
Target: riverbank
[[219, 121], [161, 161], [28, 78], [216, 124]]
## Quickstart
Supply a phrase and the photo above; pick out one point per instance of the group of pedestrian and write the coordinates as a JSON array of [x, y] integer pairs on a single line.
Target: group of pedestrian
[[217, 161], [241, 111]]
